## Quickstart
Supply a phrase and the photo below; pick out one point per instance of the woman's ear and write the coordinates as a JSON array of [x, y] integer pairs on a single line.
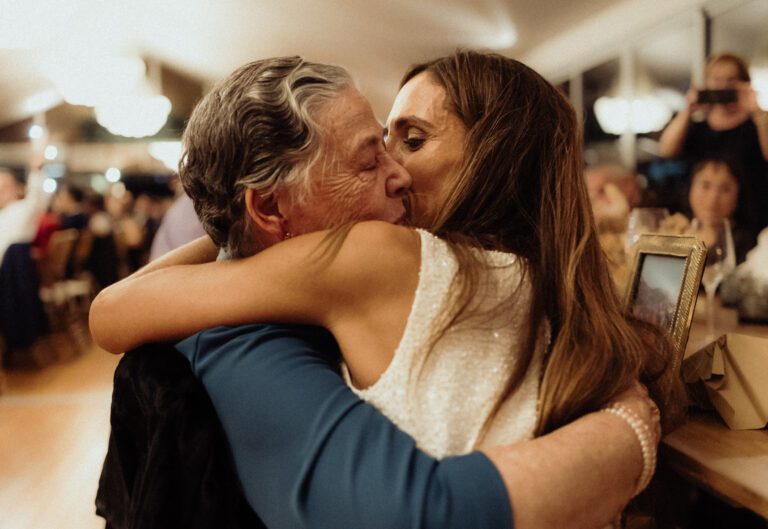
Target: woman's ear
[[265, 214]]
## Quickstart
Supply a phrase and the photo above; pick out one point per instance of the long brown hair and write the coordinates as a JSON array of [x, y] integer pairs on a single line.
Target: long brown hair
[[520, 189]]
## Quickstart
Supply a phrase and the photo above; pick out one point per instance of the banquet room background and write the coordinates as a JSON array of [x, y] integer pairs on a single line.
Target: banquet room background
[[98, 91]]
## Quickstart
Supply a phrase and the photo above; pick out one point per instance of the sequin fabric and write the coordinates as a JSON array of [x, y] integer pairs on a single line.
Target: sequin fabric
[[442, 396]]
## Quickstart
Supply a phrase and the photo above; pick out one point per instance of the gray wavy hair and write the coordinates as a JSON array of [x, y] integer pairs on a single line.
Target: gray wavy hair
[[255, 129]]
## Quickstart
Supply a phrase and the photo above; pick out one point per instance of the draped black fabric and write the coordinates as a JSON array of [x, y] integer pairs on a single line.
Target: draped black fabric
[[22, 317], [168, 463], [103, 262]]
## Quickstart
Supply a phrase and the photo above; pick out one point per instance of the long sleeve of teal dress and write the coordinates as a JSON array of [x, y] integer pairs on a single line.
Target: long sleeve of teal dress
[[310, 454]]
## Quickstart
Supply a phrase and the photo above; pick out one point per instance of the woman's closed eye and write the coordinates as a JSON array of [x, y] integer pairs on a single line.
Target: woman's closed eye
[[414, 143], [373, 164]]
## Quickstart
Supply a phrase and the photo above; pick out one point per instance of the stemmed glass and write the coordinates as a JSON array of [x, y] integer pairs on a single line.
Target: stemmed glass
[[721, 260], [643, 220]]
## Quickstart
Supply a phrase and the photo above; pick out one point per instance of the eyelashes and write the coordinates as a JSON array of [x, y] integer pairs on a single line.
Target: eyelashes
[[413, 144], [412, 140]]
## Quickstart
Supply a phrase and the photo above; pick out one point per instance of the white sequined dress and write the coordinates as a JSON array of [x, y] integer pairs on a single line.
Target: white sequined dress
[[442, 396]]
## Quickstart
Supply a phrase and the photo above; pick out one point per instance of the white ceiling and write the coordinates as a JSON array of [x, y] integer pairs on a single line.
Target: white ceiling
[[375, 39]]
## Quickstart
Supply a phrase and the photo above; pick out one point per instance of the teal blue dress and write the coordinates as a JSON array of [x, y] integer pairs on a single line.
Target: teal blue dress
[[310, 454]]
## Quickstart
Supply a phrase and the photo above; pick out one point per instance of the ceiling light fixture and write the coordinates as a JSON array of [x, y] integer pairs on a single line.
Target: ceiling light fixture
[[641, 115], [138, 114], [135, 115], [36, 132], [168, 152], [51, 152], [113, 175], [640, 108]]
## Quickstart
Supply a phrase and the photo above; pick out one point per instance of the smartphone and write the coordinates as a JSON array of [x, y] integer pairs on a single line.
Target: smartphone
[[717, 96]]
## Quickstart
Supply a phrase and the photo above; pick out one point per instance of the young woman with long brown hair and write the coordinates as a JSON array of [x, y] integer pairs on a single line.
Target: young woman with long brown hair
[[520, 189]]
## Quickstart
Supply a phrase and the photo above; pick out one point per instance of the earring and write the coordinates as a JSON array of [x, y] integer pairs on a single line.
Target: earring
[[287, 235]]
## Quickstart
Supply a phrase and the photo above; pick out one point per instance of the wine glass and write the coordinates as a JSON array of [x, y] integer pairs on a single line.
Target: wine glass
[[643, 220], [721, 260]]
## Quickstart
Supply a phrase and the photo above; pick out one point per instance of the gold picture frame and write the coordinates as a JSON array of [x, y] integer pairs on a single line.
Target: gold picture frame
[[667, 270]]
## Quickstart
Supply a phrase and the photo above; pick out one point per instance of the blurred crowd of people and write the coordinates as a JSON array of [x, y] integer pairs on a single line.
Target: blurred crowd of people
[[722, 137], [58, 250]]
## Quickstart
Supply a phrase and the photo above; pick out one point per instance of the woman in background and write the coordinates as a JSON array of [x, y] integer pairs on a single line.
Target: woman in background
[[714, 196], [736, 130]]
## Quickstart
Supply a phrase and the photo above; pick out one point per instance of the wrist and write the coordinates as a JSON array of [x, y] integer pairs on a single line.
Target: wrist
[[645, 439]]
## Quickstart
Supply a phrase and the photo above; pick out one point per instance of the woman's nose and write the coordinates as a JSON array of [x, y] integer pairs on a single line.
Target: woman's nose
[[398, 179], [711, 199]]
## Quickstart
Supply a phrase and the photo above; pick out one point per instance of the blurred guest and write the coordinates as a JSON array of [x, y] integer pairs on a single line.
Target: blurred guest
[[148, 212], [99, 221], [68, 203], [179, 226], [22, 320], [22, 317], [735, 128], [65, 211], [47, 224], [713, 197], [10, 188], [20, 210], [127, 228], [613, 192], [104, 261]]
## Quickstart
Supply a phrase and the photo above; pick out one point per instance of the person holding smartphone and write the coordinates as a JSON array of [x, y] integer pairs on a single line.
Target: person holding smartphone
[[734, 128]]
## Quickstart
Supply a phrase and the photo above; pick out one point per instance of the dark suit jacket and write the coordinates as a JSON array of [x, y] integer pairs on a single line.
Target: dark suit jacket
[[168, 463]]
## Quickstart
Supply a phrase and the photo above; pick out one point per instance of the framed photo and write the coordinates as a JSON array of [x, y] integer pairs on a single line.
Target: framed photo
[[664, 285]]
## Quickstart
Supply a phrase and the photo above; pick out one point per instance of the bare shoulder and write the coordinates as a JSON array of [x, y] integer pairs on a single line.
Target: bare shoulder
[[372, 238], [368, 248], [375, 251]]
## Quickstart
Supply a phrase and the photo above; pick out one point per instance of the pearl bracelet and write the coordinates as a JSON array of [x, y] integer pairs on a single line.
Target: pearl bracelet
[[644, 437]]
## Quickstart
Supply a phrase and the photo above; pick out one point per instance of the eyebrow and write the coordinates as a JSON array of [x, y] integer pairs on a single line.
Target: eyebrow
[[367, 141], [405, 121]]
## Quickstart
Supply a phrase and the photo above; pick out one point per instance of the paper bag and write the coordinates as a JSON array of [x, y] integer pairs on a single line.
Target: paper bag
[[734, 370]]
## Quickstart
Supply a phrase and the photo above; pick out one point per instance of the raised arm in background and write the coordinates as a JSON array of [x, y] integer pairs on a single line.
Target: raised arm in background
[[673, 137]]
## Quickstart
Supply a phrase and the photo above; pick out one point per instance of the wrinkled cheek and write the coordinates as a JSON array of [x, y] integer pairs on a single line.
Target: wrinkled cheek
[[350, 198]]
